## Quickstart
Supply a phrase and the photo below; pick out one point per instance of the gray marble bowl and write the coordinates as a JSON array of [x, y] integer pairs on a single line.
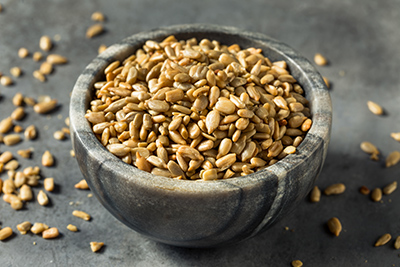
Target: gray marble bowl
[[201, 213]]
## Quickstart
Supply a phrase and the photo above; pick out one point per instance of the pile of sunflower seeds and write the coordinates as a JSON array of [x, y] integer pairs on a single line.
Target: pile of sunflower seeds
[[199, 110]]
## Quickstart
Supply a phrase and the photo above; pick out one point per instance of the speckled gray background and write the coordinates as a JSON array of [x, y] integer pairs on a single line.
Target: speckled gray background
[[360, 38]]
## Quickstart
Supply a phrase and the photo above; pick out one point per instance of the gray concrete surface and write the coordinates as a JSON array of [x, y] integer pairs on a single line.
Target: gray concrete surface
[[360, 39]]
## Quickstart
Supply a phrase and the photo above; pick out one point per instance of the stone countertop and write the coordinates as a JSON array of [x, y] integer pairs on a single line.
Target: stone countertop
[[360, 40]]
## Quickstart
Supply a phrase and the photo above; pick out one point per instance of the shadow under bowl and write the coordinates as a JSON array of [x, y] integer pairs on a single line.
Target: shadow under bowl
[[201, 213]]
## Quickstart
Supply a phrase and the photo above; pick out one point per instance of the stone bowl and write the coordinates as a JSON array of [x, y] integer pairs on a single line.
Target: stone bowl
[[201, 213]]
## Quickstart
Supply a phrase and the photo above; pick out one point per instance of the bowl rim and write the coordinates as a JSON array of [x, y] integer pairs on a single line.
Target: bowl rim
[[321, 111]]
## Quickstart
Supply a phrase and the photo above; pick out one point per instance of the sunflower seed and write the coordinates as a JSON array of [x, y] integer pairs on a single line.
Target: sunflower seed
[[11, 139], [376, 194], [56, 59], [392, 159], [334, 225], [45, 107], [364, 190], [297, 263], [96, 246], [320, 60], [335, 189], [98, 16], [397, 243], [45, 43], [6, 125], [94, 30], [47, 159], [369, 148], [23, 52], [375, 108], [390, 188], [384, 239], [315, 195]]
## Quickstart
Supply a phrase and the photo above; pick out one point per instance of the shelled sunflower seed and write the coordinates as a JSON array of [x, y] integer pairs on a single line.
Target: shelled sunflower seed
[[23, 52], [392, 159], [384, 239], [315, 194], [334, 225], [209, 108], [375, 108], [94, 30], [297, 263], [96, 246], [395, 136], [98, 16], [320, 60], [335, 189], [390, 188], [6, 81]]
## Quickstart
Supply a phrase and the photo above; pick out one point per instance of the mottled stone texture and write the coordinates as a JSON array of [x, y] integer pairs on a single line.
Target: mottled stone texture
[[202, 214]]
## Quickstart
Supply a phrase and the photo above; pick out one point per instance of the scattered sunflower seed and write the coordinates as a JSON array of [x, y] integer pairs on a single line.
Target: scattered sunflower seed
[[5, 233], [50, 233], [18, 99], [48, 184], [320, 60], [96, 246], [46, 68], [23, 52], [82, 184], [56, 59], [47, 159], [297, 263], [397, 243], [45, 43], [39, 76], [395, 136], [335, 189], [390, 188], [98, 16], [376, 194], [364, 190], [72, 228], [16, 71], [37, 56], [11, 139], [6, 125], [24, 227], [6, 81], [384, 239], [94, 30], [369, 148], [102, 48], [375, 108], [38, 228], [18, 114], [45, 107], [334, 225], [392, 159], [30, 132], [81, 214], [315, 195], [42, 198], [59, 135], [25, 153]]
